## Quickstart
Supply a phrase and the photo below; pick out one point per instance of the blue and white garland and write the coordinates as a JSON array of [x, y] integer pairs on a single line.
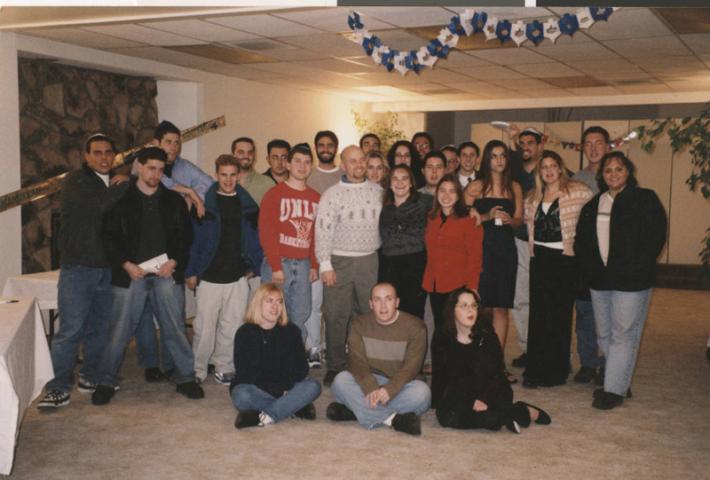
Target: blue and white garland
[[469, 23]]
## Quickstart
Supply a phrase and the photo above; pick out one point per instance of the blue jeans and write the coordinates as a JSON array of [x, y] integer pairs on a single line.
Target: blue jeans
[[147, 343], [168, 302], [84, 300], [251, 397], [296, 287], [586, 331], [415, 397], [620, 318]]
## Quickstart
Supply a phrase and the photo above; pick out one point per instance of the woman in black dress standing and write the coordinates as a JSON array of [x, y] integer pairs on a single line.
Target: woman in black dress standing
[[499, 201]]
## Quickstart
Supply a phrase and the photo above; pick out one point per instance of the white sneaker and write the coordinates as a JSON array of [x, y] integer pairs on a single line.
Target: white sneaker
[[54, 399], [314, 358]]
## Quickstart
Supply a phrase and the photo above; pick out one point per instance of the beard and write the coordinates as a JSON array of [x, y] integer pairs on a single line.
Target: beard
[[325, 157]]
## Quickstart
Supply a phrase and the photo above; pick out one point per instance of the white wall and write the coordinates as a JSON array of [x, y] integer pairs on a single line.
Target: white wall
[[186, 97], [10, 226]]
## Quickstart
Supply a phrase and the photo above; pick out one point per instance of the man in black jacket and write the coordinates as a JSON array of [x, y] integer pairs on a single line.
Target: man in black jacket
[[147, 238], [84, 291]]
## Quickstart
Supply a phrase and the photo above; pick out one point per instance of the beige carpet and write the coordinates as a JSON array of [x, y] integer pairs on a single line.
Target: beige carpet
[[150, 432]]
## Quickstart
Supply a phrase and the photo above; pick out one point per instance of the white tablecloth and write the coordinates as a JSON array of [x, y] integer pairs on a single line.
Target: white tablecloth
[[25, 367]]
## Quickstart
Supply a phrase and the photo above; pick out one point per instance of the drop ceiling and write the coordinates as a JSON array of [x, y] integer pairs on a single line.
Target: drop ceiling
[[638, 51]]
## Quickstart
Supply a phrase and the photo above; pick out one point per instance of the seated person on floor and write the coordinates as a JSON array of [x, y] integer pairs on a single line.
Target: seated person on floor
[[386, 349], [271, 372], [477, 393]]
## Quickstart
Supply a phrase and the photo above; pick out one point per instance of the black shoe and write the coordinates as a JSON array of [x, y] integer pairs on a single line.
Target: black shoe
[[607, 401], [542, 417], [307, 413], [521, 361], [407, 423], [599, 379], [585, 375], [339, 413], [529, 383], [190, 389], [599, 391], [102, 394], [329, 377], [153, 375], [246, 419]]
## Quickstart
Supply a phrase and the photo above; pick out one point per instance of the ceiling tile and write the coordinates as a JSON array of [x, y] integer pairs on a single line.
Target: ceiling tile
[[698, 42], [295, 54], [689, 85], [673, 65], [287, 68], [625, 23], [335, 65], [84, 38], [264, 25], [623, 76], [590, 52], [457, 59], [548, 93], [594, 91], [512, 56], [636, 88], [330, 19], [333, 44], [509, 13], [577, 82], [200, 30], [223, 54], [471, 86], [612, 65], [442, 75], [490, 73], [165, 55], [408, 16], [544, 70], [524, 84], [686, 20], [141, 34], [636, 48]]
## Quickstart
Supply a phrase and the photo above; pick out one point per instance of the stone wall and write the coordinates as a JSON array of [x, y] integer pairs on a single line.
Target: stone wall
[[60, 106]]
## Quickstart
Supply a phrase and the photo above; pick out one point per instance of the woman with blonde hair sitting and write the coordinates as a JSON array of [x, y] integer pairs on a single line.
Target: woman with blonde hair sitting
[[551, 213], [271, 372]]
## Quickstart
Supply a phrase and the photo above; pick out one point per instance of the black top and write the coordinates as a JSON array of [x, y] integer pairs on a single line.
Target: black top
[[84, 201], [122, 232], [637, 234], [402, 227], [273, 360], [473, 371], [152, 241], [227, 265], [547, 225]]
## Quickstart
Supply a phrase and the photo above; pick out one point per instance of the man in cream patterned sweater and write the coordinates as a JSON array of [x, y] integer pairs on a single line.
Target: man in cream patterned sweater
[[347, 239]]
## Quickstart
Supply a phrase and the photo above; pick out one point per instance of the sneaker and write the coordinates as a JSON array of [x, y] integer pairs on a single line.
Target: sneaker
[[585, 375], [246, 419], [306, 413], [407, 423], [85, 386], [329, 377], [153, 375], [314, 358], [102, 394], [190, 389], [339, 413], [521, 361], [54, 399], [224, 378]]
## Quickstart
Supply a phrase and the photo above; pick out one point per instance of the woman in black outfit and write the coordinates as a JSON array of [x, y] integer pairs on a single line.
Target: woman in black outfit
[[477, 392], [402, 254]]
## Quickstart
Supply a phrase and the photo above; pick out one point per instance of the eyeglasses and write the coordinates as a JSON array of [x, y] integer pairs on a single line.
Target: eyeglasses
[[467, 306]]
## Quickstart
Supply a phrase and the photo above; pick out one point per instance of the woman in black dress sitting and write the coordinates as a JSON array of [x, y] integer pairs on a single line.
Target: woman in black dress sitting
[[477, 393]]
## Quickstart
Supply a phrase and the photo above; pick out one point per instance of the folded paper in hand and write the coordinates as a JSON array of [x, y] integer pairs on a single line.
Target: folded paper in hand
[[153, 265]]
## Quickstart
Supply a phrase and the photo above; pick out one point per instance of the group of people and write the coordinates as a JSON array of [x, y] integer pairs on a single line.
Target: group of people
[[365, 250]]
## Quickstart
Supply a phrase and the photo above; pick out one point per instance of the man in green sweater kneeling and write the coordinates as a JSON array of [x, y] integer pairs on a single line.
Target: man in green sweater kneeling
[[386, 348]]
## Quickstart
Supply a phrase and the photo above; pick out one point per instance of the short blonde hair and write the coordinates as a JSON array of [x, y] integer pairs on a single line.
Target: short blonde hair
[[253, 314]]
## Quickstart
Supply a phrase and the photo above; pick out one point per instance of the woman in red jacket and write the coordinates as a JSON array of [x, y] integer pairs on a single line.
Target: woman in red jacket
[[454, 255]]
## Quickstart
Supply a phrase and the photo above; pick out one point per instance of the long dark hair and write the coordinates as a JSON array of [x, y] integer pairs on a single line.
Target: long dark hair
[[388, 198], [460, 209], [484, 322], [616, 155], [485, 169]]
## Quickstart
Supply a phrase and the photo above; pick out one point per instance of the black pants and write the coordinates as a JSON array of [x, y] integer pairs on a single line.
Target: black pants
[[438, 380], [457, 412], [405, 272], [552, 290]]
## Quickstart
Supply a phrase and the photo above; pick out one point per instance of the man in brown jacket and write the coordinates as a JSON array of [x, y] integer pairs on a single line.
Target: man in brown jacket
[[386, 348]]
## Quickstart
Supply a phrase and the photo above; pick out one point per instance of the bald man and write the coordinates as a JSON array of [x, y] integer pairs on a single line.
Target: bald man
[[347, 239]]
